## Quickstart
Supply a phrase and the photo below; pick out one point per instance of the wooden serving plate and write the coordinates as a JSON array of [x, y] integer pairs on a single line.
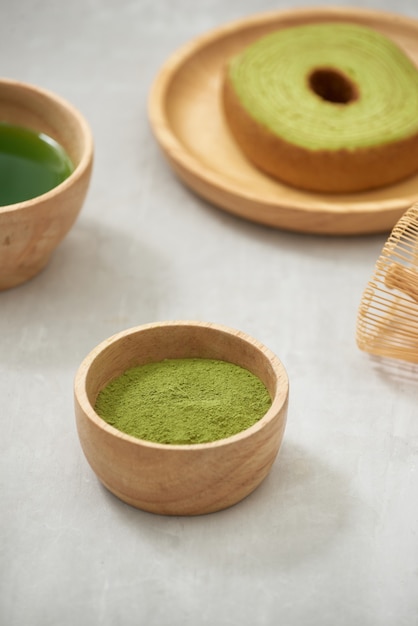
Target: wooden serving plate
[[187, 119]]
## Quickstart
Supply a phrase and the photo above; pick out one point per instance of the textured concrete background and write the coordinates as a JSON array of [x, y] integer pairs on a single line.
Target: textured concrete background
[[329, 539]]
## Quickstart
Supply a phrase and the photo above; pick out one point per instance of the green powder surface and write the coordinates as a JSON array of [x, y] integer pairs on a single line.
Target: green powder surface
[[183, 401], [271, 79]]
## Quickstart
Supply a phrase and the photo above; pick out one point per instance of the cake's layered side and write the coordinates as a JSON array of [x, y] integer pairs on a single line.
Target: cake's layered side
[[333, 171], [327, 107]]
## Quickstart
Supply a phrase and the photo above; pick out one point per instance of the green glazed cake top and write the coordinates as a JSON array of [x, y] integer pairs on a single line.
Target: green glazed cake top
[[274, 79]]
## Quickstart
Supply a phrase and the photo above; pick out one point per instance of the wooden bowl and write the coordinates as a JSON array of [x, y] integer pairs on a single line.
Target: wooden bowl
[[31, 230], [179, 479]]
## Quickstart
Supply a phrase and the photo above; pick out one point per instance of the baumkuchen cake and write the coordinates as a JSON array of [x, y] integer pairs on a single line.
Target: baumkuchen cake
[[327, 107]]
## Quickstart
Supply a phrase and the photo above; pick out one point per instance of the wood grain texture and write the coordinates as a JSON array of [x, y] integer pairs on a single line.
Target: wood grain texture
[[31, 230], [179, 479], [186, 115]]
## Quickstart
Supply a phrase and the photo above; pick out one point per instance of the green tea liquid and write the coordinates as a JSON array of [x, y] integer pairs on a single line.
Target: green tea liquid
[[30, 164]]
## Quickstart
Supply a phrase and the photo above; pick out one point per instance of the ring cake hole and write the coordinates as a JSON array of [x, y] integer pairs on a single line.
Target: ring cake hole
[[332, 86]]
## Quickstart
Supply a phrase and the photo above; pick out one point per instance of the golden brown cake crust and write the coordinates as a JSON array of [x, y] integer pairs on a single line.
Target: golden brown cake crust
[[332, 171]]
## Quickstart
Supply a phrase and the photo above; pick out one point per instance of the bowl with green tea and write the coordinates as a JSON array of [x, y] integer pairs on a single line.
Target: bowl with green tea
[[46, 158], [182, 417]]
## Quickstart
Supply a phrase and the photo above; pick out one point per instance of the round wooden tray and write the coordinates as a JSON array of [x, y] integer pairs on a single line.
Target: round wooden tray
[[187, 120]]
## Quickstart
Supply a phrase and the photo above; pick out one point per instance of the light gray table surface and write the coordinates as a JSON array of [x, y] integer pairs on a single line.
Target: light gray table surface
[[330, 537]]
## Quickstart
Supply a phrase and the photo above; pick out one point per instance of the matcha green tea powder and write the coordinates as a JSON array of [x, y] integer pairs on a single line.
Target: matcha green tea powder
[[184, 401]]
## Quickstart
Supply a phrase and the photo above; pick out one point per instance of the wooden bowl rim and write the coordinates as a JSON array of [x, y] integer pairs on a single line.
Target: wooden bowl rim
[[88, 150], [278, 402]]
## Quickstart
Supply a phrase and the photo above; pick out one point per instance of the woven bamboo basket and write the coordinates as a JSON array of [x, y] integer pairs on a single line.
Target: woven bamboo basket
[[387, 322]]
